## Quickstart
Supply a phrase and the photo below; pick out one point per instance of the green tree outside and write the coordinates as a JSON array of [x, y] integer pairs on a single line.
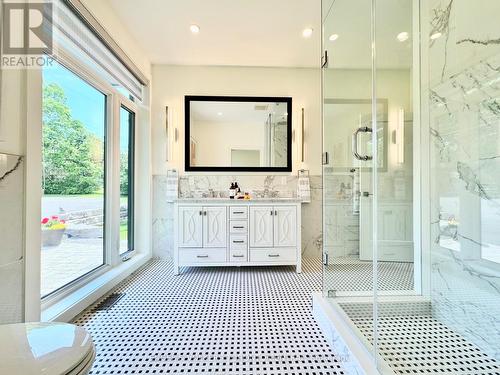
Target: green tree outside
[[73, 156]]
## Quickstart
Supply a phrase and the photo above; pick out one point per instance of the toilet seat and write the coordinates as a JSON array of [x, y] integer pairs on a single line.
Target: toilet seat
[[45, 349], [84, 367]]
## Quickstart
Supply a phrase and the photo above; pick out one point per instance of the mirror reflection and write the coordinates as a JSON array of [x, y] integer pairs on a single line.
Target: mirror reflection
[[238, 133]]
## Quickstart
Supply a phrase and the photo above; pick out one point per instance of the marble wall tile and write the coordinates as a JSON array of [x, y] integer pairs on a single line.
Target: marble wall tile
[[11, 292], [163, 219], [11, 203], [464, 107], [11, 238]]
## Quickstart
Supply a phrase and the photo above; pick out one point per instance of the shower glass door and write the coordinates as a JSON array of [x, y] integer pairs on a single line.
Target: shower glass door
[[348, 114], [368, 170]]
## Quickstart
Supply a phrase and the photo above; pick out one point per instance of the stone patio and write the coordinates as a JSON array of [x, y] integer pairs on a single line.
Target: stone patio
[[73, 258]]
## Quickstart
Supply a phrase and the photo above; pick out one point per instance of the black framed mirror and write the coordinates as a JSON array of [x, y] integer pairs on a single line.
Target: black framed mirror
[[238, 133]]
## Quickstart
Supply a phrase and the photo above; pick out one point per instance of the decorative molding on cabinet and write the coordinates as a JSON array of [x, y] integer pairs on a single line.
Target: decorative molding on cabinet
[[223, 232]]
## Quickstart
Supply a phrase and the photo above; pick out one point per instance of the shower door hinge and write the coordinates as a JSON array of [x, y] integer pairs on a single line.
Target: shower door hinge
[[324, 60], [332, 293], [325, 160], [325, 259]]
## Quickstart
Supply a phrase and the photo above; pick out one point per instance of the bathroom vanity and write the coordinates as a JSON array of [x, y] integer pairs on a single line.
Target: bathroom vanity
[[226, 232]]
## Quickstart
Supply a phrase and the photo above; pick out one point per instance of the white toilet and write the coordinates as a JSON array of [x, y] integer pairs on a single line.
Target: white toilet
[[45, 349]]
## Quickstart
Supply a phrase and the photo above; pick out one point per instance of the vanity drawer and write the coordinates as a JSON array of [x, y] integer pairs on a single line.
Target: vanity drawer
[[238, 255], [209, 255], [282, 254], [238, 242], [238, 212], [238, 226]]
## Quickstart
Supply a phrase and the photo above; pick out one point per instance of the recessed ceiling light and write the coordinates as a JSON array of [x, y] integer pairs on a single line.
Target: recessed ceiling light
[[403, 36], [436, 35], [219, 113], [333, 37], [307, 32], [195, 29]]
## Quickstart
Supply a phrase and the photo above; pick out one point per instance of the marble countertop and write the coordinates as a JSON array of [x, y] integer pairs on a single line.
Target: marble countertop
[[238, 201]]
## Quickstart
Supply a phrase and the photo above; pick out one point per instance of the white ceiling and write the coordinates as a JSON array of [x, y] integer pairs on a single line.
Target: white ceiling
[[268, 32], [233, 32]]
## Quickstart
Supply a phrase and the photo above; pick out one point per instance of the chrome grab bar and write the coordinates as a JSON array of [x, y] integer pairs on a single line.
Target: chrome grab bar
[[363, 129]]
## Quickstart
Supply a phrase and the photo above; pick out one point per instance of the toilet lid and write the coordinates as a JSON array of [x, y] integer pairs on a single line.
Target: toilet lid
[[43, 348]]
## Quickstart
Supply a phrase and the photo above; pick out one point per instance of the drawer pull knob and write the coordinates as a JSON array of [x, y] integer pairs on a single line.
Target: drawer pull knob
[[238, 212], [273, 255], [202, 256], [238, 227], [238, 256], [238, 241]]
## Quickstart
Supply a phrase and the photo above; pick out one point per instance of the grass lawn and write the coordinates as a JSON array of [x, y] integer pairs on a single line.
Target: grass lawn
[[94, 195], [123, 231]]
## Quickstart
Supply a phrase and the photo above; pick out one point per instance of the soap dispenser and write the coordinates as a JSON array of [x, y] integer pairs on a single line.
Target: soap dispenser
[[232, 191]]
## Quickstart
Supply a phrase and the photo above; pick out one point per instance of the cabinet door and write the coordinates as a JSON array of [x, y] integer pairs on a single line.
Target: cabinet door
[[214, 227], [190, 227], [261, 226], [285, 226]]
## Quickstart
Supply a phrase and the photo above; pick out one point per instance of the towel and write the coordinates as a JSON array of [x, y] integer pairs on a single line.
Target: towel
[[304, 189], [172, 185]]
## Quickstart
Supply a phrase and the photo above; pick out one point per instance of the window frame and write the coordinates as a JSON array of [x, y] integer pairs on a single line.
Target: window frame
[[114, 100], [131, 108]]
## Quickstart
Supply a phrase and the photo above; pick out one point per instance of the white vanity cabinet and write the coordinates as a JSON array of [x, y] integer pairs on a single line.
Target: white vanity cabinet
[[223, 232], [261, 221], [273, 226], [202, 226]]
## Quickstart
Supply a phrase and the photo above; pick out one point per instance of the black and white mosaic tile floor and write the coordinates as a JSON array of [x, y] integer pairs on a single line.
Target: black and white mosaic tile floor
[[212, 320], [412, 342], [349, 274]]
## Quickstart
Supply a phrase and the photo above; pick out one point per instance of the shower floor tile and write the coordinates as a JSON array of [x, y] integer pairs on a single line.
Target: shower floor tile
[[352, 274], [212, 320], [418, 344]]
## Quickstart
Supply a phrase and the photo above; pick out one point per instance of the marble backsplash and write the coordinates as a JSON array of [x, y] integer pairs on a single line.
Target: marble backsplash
[[464, 92], [199, 185], [11, 236]]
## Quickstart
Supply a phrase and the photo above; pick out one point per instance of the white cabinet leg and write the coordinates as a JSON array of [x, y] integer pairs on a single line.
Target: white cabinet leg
[[298, 267]]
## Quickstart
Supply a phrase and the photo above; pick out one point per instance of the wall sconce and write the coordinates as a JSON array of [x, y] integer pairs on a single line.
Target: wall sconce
[[400, 136], [172, 135], [302, 152]]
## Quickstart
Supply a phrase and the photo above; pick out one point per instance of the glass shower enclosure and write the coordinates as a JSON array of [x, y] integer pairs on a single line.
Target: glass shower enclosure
[[411, 180]]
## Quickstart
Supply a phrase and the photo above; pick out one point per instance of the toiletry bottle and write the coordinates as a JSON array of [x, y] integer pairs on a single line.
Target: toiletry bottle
[[232, 191], [348, 191], [237, 189]]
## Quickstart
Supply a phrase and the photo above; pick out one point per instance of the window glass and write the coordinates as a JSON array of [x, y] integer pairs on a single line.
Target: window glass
[[127, 119], [73, 181]]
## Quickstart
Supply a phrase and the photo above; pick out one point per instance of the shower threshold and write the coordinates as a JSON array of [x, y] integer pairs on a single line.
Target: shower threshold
[[410, 340]]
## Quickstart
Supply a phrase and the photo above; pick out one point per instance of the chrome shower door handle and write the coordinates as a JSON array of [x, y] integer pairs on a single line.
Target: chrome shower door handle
[[363, 129]]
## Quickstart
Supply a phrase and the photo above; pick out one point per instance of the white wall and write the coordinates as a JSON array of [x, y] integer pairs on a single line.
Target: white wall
[[12, 115], [214, 150], [171, 83], [103, 12]]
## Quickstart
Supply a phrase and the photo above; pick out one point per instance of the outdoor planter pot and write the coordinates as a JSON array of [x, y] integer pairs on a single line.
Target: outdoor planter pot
[[52, 237]]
